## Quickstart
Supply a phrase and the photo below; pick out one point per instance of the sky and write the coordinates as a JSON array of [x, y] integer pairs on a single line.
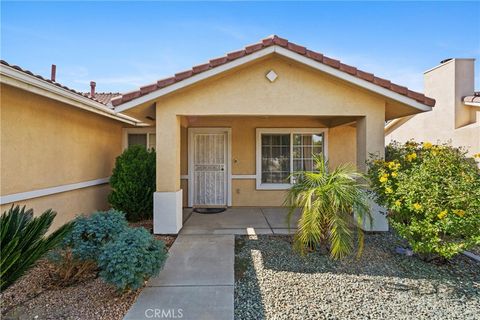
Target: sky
[[124, 45]]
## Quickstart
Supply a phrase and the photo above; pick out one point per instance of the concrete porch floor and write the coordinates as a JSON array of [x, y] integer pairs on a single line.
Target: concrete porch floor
[[197, 281], [239, 221]]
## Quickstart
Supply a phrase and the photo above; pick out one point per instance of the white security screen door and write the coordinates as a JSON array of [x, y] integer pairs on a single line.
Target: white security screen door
[[210, 169]]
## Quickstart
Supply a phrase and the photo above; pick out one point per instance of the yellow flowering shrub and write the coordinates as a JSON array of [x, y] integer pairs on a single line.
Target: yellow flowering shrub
[[383, 178], [417, 206], [442, 214], [410, 157], [432, 193], [427, 145], [459, 213]]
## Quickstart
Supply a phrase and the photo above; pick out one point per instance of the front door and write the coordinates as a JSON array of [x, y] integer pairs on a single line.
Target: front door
[[209, 168]]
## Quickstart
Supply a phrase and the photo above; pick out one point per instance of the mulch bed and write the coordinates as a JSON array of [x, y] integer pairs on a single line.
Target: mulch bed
[[37, 296]]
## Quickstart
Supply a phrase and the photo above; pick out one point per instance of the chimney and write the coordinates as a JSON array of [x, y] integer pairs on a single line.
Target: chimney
[[448, 83], [92, 88], [54, 73]]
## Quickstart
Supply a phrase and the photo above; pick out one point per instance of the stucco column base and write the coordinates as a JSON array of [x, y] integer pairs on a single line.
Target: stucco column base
[[379, 218], [167, 212]]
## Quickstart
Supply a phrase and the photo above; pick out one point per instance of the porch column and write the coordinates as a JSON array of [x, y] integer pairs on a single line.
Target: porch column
[[371, 140], [167, 200]]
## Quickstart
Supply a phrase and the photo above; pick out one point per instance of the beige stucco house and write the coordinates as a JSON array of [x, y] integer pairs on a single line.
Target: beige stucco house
[[57, 146], [456, 116], [227, 133]]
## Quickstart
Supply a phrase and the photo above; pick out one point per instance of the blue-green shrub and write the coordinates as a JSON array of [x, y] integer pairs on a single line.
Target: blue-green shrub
[[91, 233], [131, 258]]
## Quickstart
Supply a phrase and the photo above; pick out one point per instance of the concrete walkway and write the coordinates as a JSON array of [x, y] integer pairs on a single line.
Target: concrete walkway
[[239, 221], [197, 281]]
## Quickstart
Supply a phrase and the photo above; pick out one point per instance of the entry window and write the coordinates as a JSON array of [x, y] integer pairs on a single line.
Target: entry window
[[137, 138], [280, 152], [146, 139], [305, 146], [275, 158], [152, 142]]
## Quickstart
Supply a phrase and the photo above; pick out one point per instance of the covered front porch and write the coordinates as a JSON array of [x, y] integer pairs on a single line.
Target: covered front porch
[[240, 221], [244, 163], [231, 136]]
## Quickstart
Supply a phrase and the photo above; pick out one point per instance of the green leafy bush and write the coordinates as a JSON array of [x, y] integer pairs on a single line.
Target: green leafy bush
[[133, 183], [91, 233], [327, 200], [433, 196], [23, 241], [134, 256]]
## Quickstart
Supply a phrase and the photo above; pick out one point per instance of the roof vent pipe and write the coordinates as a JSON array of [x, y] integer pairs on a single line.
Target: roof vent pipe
[[92, 89], [54, 73]]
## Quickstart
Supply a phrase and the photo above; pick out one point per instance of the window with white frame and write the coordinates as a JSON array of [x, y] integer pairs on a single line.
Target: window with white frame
[[282, 151], [140, 136]]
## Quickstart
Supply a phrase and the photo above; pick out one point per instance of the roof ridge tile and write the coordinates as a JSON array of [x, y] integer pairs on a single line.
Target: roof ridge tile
[[148, 88], [253, 47], [331, 62], [218, 61], [280, 41], [365, 75], [165, 82], [201, 67], [183, 75], [236, 54]]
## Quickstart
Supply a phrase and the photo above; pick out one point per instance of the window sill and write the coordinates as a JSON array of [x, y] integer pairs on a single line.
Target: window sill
[[273, 186]]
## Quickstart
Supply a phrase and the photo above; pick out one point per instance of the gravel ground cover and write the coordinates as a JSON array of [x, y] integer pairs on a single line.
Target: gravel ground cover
[[475, 250], [273, 282], [36, 295]]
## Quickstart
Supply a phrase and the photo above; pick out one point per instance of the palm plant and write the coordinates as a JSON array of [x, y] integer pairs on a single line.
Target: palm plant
[[327, 201], [23, 241]]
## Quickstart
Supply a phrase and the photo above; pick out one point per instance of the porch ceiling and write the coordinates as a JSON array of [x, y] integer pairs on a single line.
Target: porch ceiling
[[270, 121]]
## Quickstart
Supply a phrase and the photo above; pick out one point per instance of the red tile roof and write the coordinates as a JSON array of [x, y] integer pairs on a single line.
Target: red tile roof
[[475, 98], [104, 97], [271, 41], [100, 99]]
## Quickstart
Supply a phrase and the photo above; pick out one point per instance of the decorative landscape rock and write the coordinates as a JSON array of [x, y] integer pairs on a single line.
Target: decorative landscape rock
[[273, 282], [404, 251]]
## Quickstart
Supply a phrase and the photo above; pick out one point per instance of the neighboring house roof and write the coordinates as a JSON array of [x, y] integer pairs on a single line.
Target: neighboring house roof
[[5, 63], [472, 100], [271, 42], [97, 104], [104, 97]]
